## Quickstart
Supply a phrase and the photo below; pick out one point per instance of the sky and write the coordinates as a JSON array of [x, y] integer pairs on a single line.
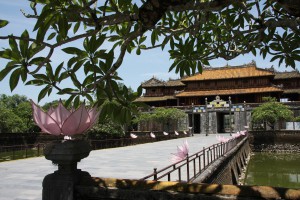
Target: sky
[[134, 70]]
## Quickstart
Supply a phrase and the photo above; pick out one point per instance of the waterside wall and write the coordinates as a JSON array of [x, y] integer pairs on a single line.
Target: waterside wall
[[275, 141], [109, 188]]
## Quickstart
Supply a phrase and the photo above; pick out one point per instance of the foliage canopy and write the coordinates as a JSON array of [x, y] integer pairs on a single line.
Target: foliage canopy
[[194, 32]]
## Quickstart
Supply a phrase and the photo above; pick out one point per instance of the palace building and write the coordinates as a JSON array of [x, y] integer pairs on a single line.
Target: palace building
[[220, 99]]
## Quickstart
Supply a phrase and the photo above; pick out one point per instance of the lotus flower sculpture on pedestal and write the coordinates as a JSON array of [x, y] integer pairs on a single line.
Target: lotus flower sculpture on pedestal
[[61, 184], [61, 121]]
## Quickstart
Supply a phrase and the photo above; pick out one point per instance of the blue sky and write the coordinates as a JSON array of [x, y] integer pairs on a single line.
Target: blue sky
[[134, 70]]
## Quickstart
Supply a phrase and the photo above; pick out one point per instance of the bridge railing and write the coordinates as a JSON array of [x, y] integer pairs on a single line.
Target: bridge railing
[[188, 169], [21, 151]]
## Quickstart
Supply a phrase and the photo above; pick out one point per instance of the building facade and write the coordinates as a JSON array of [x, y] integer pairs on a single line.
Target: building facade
[[221, 99]]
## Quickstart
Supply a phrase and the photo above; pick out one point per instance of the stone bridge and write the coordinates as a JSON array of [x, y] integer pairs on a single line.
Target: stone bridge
[[228, 168], [217, 182], [100, 163]]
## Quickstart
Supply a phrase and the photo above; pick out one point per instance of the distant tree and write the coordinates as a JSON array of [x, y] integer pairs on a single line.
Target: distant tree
[[106, 128], [9, 121], [24, 112], [271, 112], [297, 119], [13, 101], [167, 115], [47, 105], [16, 114], [164, 116]]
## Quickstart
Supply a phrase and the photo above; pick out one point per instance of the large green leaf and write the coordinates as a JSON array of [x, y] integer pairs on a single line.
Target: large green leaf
[[14, 48], [34, 49], [49, 72], [37, 60], [46, 13], [58, 69], [24, 43], [10, 66], [76, 27], [3, 23], [43, 93], [14, 79], [72, 50], [63, 26], [35, 82], [44, 27]]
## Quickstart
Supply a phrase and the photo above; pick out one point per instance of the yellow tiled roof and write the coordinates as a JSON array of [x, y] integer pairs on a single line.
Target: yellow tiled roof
[[286, 75], [172, 83], [150, 99], [290, 91], [228, 92], [229, 72]]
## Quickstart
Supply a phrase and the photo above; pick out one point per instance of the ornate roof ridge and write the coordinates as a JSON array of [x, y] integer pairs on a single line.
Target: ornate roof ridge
[[226, 67], [153, 82]]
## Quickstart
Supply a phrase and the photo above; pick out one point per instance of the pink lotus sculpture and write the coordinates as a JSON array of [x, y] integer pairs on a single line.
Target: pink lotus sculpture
[[244, 132], [222, 139], [182, 152], [152, 135], [236, 135], [60, 121], [132, 135]]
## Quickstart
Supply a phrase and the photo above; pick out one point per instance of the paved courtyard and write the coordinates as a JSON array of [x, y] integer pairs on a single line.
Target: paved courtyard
[[22, 179]]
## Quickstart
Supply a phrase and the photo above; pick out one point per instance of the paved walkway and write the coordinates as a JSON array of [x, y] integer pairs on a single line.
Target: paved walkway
[[22, 179]]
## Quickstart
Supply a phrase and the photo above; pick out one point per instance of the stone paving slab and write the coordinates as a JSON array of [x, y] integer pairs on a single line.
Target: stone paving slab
[[22, 179]]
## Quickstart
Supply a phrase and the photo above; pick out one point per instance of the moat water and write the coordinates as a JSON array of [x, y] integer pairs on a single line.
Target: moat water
[[274, 169]]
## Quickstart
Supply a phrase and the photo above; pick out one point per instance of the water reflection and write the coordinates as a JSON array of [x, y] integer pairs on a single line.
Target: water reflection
[[274, 169]]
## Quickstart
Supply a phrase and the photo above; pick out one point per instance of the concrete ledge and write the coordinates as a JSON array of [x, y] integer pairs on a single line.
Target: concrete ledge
[[114, 188]]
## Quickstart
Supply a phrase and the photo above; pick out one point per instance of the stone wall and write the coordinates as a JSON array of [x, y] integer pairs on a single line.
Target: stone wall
[[109, 188], [275, 141]]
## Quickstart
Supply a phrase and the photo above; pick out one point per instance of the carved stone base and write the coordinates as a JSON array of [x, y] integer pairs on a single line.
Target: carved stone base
[[61, 185]]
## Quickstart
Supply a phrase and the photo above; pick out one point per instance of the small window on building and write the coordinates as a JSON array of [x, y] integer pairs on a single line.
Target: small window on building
[[284, 100]]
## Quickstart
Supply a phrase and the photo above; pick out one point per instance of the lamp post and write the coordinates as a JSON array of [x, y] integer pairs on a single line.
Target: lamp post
[[207, 118], [193, 123], [230, 119], [190, 131], [245, 114]]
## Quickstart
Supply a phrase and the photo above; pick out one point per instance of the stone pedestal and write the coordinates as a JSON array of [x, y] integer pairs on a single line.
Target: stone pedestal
[[61, 184]]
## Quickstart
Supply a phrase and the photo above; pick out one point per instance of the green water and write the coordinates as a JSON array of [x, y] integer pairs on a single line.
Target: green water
[[274, 169]]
